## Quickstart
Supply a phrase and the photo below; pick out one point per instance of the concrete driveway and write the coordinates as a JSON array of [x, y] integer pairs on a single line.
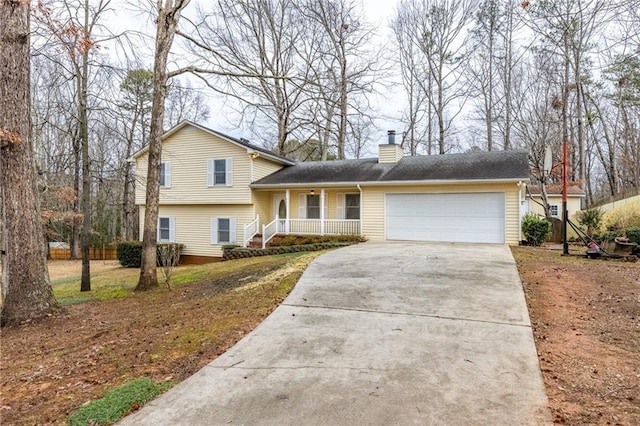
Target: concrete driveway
[[378, 334]]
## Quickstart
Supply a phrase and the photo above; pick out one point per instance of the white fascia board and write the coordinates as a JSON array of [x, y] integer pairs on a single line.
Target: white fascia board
[[387, 183]]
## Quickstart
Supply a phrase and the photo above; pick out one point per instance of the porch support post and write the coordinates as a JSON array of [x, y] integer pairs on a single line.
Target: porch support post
[[322, 212], [288, 203]]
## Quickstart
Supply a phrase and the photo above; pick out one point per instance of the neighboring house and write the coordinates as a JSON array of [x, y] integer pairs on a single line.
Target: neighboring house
[[554, 198], [219, 190]]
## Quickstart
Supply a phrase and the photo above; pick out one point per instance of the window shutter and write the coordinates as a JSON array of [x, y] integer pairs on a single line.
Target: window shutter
[[232, 230], [229, 171], [302, 206], [172, 229], [167, 174], [209, 172], [340, 202], [214, 230]]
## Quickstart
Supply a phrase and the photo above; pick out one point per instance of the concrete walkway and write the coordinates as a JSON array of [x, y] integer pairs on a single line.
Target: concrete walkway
[[378, 334]]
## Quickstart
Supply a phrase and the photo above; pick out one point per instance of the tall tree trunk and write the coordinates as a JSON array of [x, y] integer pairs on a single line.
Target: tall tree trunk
[[342, 130], [29, 294], [582, 172], [489, 118], [168, 17], [508, 80], [440, 114], [85, 237], [76, 226]]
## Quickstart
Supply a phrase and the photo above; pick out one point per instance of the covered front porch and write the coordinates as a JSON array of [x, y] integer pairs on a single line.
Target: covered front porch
[[304, 211]]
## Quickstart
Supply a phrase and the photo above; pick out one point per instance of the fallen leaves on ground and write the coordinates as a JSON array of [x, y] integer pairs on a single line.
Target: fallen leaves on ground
[[585, 315]]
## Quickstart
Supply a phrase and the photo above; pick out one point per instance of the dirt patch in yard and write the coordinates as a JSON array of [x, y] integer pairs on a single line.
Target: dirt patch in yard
[[586, 324], [49, 369]]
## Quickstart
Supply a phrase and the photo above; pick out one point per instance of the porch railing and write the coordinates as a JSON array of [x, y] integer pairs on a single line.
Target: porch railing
[[320, 227], [309, 227], [269, 231], [250, 231]]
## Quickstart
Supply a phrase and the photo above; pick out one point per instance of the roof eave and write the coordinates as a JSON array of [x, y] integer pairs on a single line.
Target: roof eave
[[430, 182]]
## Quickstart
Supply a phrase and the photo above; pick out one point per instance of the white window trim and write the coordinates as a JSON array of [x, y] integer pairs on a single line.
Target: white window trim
[[232, 230], [167, 174], [557, 208], [228, 168], [172, 229], [341, 204]]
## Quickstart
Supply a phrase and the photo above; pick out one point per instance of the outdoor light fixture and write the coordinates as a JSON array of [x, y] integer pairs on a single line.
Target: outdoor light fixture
[[312, 192]]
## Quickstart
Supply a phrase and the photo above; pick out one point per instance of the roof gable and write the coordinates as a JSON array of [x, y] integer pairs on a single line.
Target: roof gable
[[264, 153]]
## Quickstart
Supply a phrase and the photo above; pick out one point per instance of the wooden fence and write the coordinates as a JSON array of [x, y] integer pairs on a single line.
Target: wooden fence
[[95, 253]]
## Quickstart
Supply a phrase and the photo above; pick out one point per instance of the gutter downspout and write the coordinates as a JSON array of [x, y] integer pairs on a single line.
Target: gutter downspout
[[360, 189]]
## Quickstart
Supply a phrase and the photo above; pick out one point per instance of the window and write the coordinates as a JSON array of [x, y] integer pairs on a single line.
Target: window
[[352, 206], [165, 174], [220, 172], [166, 229], [313, 207], [223, 230], [553, 209]]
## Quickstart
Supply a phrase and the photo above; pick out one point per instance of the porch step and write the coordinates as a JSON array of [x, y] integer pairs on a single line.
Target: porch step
[[256, 242]]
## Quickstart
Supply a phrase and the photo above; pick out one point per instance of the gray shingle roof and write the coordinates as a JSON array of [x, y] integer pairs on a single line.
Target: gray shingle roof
[[495, 165]]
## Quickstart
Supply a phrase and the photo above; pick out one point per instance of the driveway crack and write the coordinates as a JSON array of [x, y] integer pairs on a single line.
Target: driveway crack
[[408, 314]]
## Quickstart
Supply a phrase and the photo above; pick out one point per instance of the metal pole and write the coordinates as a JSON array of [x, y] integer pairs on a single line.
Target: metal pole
[[565, 243]]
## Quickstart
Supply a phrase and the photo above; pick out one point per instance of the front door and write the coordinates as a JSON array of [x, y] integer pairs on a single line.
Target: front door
[[280, 206]]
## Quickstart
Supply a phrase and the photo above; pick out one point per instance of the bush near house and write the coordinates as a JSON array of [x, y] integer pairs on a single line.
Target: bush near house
[[291, 244], [536, 230], [627, 216], [130, 253], [299, 240]]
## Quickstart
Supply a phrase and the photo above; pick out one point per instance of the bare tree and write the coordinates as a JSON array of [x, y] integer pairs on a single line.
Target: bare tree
[[72, 25], [412, 70], [441, 33], [184, 103], [346, 70], [567, 27], [253, 47], [28, 291], [169, 12]]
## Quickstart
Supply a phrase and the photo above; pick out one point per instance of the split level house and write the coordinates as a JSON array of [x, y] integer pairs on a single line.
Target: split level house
[[218, 190]]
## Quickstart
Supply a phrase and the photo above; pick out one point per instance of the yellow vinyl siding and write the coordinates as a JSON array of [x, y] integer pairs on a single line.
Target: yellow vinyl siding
[[373, 205], [263, 167], [188, 151], [193, 225], [262, 202]]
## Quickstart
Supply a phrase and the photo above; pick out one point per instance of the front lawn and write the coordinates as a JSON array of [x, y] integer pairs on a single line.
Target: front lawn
[[112, 336]]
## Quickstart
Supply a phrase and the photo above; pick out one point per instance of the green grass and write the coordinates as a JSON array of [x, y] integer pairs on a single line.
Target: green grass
[[120, 282], [117, 403]]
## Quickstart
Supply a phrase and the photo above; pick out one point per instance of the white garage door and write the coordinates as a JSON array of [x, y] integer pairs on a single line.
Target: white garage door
[[464, 218]]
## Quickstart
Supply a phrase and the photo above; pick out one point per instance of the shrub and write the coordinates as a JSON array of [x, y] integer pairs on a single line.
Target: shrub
[[535, 229], [130, 253], [633, 234], [297, 240], [591, 218], [626, 216]]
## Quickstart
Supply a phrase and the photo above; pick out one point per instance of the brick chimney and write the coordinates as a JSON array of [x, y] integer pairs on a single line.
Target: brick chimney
[[390, 152]]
